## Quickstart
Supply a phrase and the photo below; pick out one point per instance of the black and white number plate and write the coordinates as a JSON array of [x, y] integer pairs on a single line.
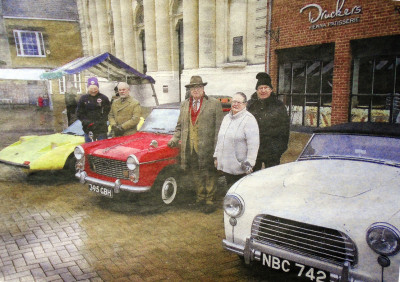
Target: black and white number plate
[[106, 192], [301, 271]]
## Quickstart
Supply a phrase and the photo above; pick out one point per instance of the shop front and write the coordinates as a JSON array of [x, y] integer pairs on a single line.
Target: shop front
[[336, 61]]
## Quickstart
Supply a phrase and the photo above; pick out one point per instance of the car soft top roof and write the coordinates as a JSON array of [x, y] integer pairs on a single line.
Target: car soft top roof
[[366, 128]]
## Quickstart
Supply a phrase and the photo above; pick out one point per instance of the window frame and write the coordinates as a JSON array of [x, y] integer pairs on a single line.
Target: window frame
[[392, 98], [19, 45], [62, 85]]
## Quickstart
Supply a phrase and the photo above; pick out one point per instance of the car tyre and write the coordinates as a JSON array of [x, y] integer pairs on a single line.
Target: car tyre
[[165, 188], [70, 163]]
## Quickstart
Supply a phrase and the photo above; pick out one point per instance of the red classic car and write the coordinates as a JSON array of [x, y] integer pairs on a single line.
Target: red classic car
[[137, 163]]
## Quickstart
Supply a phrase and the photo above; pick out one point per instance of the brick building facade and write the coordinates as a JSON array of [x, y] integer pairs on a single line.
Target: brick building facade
[[335, 61]]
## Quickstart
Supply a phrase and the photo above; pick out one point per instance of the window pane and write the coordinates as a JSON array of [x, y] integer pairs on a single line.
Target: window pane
[[384, 75], [299, 78], [313, 77], [29, 43], [285, 72], [365, 76], [327, 77]]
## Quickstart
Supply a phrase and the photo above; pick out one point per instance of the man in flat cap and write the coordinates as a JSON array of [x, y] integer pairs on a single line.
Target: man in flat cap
[[273, 122], [92, 111], [197, 129]]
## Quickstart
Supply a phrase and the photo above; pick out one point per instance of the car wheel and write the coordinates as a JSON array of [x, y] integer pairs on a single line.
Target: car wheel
[[166, 187]]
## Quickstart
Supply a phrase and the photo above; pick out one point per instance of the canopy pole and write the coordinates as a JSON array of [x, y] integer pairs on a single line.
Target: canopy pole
[[154, 93]]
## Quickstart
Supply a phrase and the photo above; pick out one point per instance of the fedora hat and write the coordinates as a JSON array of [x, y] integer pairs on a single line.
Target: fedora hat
[[195, 80]]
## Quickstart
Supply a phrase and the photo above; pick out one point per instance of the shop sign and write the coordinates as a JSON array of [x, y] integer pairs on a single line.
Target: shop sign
[[340, 16]]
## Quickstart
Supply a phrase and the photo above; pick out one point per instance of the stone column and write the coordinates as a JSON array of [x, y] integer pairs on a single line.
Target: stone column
[[163, 35], [94, 27], [128, 33], [118, 38], [206, 33], [150, 35], [84, 26], [102, 22], [190, 34]]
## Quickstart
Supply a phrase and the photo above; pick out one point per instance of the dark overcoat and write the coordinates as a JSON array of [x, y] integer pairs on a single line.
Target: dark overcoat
[[273, 123]]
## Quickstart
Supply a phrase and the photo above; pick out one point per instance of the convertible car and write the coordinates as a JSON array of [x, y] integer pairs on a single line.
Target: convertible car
[[45, 152], [138, 163], [332, 215]]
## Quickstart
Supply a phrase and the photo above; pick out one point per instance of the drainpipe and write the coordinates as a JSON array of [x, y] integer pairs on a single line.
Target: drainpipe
[[268, 51]]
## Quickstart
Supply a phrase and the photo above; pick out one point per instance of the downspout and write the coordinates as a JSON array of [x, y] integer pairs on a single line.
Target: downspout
[[268, 51]]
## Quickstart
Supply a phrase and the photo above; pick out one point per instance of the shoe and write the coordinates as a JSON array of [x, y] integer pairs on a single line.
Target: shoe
[[208, 209], [197, 204]]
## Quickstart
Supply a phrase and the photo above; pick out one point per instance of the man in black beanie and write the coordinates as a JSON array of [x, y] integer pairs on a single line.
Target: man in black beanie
[[273, 122]]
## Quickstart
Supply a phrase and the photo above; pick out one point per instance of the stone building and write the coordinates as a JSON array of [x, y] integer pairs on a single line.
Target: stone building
[[334, 61], [35, 37], [171, 40]]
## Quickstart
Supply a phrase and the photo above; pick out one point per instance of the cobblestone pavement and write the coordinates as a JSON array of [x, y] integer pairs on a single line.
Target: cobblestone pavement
[[53, 229]]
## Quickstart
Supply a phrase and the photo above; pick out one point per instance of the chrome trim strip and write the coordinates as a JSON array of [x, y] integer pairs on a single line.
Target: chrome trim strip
[[232, 247], [15, 164], [114, 185], [155, 161]]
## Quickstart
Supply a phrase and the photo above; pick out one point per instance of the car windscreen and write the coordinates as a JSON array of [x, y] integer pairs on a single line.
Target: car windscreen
[[350, 146], [161, 121], [74, 129]]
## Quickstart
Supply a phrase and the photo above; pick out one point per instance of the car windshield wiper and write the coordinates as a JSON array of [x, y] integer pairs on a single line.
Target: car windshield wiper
[[69, 133]]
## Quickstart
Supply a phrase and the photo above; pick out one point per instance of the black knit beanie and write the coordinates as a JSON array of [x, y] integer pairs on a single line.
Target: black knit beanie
[[263, 79]]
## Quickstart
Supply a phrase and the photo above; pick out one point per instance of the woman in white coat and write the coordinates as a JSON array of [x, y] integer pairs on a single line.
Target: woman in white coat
[[238, 141]]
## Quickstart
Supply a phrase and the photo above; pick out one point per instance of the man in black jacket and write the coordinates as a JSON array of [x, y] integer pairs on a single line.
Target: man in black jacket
[[273, 122], [92, 111]]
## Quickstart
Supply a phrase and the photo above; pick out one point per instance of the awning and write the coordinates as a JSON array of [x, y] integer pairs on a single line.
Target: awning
[[21, 74], [103, 65]]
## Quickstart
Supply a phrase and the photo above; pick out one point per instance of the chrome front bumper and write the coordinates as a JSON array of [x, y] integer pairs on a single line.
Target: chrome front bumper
[[252, 252], [116, 186]]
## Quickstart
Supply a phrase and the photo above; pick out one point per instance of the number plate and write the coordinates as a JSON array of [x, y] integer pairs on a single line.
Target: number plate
[[301, 271], [106, 192]]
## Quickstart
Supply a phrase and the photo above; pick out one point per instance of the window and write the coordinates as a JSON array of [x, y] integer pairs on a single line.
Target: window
[[237, 49], [77, 83], [305, 84], [375, 92], [29, 43], [61, 85]]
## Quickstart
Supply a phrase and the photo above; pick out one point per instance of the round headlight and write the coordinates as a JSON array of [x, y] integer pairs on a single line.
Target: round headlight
[[383, 239], [132, 162], [79, 152], [233, 205]]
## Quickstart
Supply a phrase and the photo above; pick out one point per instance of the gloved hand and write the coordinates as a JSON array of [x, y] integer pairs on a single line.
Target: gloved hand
[[246, 166], [87, 125], [171, 144], [118, 131]]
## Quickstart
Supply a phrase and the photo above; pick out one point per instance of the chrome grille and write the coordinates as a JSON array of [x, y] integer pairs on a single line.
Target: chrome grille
[[311, 240], [108, 167]]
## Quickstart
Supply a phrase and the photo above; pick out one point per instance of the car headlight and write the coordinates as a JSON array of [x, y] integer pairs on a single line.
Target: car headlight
[[79, 152], [383, 239], [132, 162], [233, 205]]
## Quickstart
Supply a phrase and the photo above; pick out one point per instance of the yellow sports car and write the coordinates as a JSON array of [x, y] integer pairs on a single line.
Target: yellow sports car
[[46, 152]]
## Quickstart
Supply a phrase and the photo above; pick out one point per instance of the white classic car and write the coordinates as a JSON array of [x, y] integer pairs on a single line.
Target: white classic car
[[332, 215]]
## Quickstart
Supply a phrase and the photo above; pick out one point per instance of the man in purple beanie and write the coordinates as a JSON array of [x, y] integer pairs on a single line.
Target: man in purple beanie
[[92, 111]]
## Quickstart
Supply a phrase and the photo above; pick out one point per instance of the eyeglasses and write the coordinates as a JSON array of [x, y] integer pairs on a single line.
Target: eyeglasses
[[237, 102]]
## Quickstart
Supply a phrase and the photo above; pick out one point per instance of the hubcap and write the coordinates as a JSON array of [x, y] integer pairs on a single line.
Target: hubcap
[[168, 191]]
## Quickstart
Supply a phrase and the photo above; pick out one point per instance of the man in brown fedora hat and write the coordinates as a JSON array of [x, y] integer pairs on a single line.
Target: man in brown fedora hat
[[197, 129]]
